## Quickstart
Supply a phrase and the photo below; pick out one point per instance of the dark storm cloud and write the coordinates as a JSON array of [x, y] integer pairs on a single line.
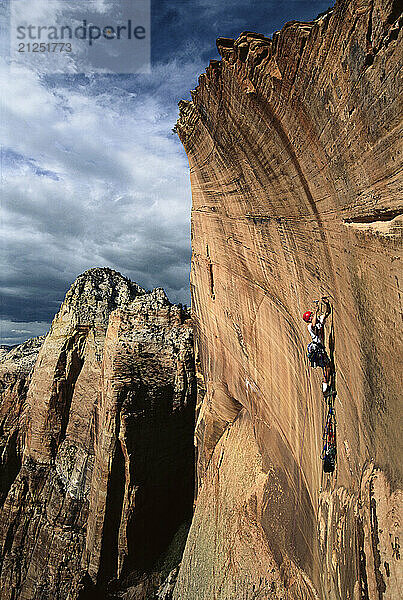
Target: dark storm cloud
[[92, 175], [181, 24]]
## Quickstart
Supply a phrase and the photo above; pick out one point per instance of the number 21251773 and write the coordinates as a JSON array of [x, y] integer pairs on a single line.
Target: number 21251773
[[44, 47]]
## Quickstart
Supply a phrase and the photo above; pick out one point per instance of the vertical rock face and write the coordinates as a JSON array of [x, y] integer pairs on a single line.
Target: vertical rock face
[[294, 147], [101, 480], [16, 364]]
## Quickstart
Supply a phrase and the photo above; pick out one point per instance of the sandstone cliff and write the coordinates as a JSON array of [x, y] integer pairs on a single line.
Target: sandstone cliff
[[294, 146], [16, 364], [97, 480]]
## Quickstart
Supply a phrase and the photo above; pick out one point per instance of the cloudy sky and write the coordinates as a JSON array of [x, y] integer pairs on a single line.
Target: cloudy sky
[[91, 174]]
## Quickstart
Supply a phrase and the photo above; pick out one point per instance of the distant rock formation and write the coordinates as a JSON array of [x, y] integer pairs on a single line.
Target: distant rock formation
[[97, 462], [294, 145], [21, 358]]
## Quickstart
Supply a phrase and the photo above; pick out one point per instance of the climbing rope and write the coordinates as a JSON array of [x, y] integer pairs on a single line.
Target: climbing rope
[[329, 449]]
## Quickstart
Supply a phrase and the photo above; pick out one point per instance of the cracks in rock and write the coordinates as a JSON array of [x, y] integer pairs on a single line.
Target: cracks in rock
[[150, 482], [12, 465], [395, 547], [394, 22], [211, 274], [224, 434], [41, 509], [395, 12], [369, 59], [301, 51], [380, 215], [67, 371], [387, 224], [362, 560], [240, 338], [108, 564], [380, 582]]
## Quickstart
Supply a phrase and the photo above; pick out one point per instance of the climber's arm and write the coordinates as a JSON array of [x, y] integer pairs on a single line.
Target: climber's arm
[[327, 309], [315, 316]]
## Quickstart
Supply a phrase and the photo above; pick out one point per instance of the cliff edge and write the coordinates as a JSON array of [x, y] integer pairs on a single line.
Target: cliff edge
[[294, 147]]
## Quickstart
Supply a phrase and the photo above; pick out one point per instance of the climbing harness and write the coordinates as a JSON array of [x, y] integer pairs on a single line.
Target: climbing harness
[[316, 351], [316, 354]]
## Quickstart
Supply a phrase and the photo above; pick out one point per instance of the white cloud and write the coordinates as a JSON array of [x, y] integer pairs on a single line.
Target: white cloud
[[91, 178]]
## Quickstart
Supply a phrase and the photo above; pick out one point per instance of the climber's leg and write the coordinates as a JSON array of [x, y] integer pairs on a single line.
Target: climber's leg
[[327, 374]]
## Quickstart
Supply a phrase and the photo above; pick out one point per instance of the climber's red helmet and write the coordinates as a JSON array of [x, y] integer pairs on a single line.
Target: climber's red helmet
[[307, 316]]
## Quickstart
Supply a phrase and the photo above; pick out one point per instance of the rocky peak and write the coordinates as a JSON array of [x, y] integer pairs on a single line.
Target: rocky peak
[[157, 301], [96, 293], [21, 358]]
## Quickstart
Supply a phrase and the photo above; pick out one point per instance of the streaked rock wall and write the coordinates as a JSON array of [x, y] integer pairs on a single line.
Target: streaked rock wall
[[294, 146]]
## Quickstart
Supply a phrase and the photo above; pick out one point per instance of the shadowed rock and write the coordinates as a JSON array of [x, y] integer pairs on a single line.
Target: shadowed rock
[[101, 478]]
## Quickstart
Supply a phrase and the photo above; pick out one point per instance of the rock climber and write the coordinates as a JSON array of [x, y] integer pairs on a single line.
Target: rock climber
[[317, 354]]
